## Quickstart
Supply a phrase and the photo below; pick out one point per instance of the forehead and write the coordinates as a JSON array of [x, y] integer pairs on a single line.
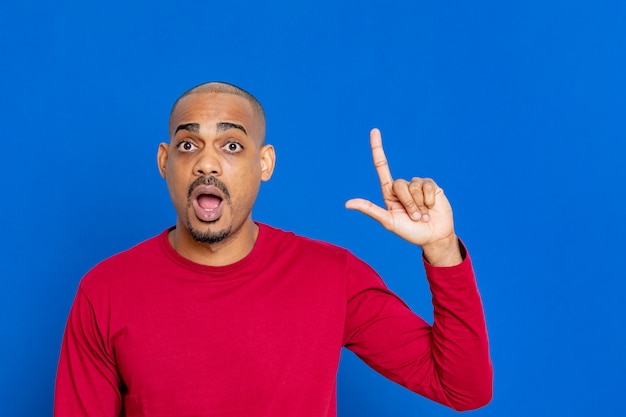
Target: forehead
[[210, 108]]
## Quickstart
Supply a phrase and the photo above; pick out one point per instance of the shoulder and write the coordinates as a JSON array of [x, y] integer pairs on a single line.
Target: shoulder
[[316, 254], [280, 240], [122, 265]]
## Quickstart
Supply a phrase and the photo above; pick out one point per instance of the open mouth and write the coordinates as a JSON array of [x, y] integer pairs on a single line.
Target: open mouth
[[209, 202], [206, 201]]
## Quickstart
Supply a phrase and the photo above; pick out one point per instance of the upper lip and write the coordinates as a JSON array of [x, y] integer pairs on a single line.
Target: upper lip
[[206, 189]]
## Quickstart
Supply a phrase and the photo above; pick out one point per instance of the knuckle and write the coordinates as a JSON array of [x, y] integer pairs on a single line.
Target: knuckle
[[415, 186], [409, 204], [398, 184]]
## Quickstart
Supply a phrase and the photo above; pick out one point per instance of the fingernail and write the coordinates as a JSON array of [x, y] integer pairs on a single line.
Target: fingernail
[[416, 215], [425, 217]]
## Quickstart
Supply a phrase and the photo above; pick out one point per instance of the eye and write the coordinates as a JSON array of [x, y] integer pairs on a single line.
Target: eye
[[233, 147], [186, 146]]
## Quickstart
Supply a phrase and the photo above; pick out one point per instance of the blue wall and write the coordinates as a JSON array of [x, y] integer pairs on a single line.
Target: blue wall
[[516, 108]]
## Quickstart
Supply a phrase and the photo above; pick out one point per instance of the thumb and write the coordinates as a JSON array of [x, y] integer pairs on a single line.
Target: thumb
[[367, 207]]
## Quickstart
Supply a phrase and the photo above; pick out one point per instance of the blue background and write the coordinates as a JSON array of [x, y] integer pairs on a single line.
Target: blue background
[[516, 109]]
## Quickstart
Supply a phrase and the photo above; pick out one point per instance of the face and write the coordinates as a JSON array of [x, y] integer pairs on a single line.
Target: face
[[214, 165]]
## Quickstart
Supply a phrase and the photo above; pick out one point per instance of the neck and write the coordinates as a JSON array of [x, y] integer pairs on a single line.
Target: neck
[[233, 248]]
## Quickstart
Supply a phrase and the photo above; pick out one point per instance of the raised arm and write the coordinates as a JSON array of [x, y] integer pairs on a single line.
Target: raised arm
[[449, 361]]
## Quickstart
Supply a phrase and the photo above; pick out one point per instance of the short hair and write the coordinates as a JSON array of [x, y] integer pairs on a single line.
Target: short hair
[[224, 88]]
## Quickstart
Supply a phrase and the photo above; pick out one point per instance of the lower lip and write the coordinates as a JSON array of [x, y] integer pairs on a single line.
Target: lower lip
[[207, 215]]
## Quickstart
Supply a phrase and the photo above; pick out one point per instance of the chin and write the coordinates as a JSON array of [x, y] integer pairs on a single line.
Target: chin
[[208, 236]]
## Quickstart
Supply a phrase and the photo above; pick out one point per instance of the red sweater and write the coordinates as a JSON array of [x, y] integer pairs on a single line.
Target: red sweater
[[154, 334]]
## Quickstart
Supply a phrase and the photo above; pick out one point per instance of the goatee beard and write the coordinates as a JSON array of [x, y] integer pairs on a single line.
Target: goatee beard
[[208, 237]]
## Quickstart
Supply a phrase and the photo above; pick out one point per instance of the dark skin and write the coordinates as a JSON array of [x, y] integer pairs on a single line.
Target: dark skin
[[215, 135], [221, 135]]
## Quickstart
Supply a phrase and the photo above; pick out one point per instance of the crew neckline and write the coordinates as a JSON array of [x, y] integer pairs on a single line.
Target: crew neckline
[[249, 259]]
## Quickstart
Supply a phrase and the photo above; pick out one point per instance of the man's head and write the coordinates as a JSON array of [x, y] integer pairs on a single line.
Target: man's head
[[224, 88], [215, 161]]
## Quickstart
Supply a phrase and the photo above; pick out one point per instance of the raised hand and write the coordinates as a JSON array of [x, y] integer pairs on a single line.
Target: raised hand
[[416, 210]]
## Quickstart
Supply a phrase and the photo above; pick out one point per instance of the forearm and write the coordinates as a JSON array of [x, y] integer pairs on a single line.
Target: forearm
[[447, 362], [460, 346]]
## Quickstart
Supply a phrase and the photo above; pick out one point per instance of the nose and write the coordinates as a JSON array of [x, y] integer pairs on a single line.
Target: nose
[[207, 164]]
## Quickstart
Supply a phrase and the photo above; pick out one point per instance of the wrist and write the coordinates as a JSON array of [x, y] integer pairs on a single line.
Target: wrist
[[443, 252]]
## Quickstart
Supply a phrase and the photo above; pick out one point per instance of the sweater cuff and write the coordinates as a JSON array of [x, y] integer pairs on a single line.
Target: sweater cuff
[[447, 272]]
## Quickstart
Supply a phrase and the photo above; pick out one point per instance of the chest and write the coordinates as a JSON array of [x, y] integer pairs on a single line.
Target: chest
[[215, 338]]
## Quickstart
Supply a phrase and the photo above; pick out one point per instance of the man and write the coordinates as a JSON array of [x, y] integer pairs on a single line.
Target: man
[[223, 316]]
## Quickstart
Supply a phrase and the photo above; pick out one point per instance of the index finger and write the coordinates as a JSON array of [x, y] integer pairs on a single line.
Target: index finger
[[380, 162]]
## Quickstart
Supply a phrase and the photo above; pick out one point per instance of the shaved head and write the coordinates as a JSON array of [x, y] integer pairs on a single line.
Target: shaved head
[[224, 88]]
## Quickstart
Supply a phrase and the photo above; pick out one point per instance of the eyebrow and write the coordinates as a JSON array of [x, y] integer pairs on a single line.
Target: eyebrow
[[221, 127], [192, 127], [224, 126]]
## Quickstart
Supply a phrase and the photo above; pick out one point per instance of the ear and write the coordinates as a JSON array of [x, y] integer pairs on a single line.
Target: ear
[[162, 158], [268, 159]]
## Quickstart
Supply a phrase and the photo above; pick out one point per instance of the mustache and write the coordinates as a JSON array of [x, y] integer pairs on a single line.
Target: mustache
[[209, 181]]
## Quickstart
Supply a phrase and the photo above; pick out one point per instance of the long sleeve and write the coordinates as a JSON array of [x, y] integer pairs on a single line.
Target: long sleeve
[[151, 333], [447, 362], [87, 381]]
